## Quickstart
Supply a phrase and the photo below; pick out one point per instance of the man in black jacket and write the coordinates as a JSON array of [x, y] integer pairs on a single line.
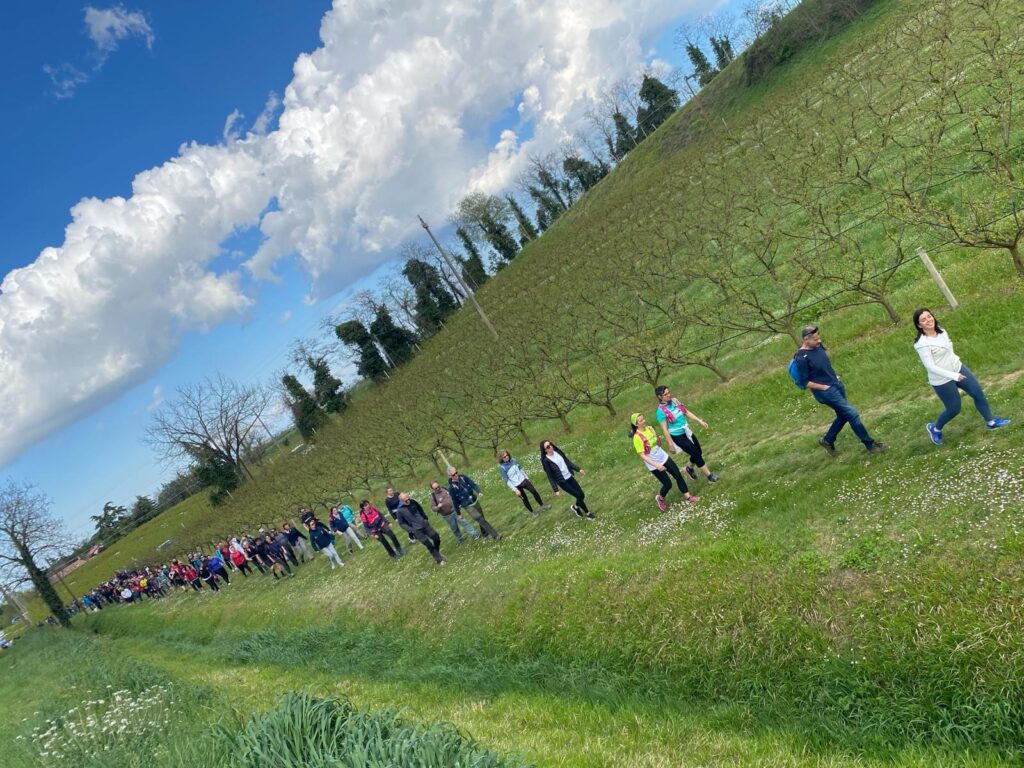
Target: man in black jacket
[[411, 517], [274, 553], [297, 540]]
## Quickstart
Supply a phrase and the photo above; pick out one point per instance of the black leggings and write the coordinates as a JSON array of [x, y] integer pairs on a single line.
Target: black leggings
[[383, 535], [223, 573], [525, 486], [691, 445], [243, 568], [572, 487], [212, 581], [667, 475]]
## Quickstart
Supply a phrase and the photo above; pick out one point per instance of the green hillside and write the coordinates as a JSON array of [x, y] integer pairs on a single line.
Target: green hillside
[[849, 611]]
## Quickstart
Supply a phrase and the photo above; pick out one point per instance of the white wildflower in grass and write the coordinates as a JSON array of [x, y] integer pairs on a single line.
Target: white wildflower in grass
[[127, 721]]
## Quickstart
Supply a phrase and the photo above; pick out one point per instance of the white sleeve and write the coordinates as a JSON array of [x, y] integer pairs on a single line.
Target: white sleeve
[[929, 365]]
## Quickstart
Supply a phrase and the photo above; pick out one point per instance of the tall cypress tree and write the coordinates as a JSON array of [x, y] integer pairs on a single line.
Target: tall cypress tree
[[327, 388], [306, 413], [527, 231], [548, 208], [473, 271], [722, 48], [500, 238], [625, 135], [702, 68], [354, 334], [434, 302], [396, 341], [659, 102], [583, 172]]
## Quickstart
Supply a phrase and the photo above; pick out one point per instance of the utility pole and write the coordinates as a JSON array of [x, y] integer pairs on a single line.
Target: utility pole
[[458, 276]]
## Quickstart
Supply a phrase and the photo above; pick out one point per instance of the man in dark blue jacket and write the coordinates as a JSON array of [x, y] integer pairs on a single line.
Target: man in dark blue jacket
[[816, 370], [297, 541], [465, 495]]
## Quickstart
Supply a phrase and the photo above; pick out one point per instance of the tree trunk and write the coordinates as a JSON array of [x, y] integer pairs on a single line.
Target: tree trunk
[[611, 408], [882, 299], [43, 586], [462, 450], [526, 437], [565, 422], [1018, 262], [716, 370]]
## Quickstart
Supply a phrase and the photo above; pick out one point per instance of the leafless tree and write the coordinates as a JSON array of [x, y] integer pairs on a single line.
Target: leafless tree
[[216, 418], [29, 535]]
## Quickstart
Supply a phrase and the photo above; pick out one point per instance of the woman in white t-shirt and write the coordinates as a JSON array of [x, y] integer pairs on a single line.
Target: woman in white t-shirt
[[647, 444], [947, 375]]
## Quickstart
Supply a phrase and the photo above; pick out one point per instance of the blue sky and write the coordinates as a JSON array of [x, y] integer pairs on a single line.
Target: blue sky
[[148, 78]]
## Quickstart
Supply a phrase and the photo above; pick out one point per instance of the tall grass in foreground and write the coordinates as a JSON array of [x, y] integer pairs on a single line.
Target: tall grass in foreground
[[83, 703], [304, 731]]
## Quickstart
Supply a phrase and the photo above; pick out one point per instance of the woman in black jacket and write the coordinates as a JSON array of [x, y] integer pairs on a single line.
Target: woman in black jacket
[[560, 471]]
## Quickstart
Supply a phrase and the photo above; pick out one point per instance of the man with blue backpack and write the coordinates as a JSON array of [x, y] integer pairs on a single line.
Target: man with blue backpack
[[811, 369]]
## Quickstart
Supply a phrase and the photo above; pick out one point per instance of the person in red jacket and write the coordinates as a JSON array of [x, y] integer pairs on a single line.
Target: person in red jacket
[[378, 527]]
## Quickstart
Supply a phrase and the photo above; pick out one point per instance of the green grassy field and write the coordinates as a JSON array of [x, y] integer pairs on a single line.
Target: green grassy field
[[855, 611]]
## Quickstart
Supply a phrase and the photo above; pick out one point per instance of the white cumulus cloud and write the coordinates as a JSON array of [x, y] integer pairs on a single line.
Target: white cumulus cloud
[[391, 116]]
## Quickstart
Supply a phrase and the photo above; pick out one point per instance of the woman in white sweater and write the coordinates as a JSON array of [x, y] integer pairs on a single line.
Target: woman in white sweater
[[947, 375]]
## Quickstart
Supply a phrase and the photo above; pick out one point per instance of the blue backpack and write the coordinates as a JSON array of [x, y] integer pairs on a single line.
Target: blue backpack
[[796, 374]]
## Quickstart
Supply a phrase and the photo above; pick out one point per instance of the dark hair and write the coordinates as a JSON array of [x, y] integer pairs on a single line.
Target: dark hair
[[364, 503], [917, 325], [542, 445], [660, 390]]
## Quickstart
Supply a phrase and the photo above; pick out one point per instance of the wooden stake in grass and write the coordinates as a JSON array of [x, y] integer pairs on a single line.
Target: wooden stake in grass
[[950, 298]]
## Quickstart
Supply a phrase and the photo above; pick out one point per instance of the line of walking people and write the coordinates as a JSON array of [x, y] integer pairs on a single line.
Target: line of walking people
[[458, 504]]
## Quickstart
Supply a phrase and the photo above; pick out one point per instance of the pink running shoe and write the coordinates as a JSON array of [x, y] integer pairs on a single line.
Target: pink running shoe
[[691, 499], [660, 501]]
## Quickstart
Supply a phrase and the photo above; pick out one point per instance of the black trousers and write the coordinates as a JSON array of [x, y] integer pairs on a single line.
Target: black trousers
[[667, 475], [525, 486], [428, 538], [394, 547], [572, 487], [691, 446]]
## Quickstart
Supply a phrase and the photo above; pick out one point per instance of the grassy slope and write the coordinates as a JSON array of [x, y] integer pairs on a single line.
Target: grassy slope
[[845, 612]]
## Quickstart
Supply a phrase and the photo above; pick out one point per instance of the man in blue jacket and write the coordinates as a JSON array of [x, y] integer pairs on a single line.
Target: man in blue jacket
[[465, 495], [816, 371]]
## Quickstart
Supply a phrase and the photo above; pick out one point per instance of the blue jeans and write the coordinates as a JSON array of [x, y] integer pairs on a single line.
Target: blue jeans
[[454, 521], [950, 397], [835, 398]]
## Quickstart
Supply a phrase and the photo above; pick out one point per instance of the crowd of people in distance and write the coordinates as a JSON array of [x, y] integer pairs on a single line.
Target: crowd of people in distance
[[279, 552]]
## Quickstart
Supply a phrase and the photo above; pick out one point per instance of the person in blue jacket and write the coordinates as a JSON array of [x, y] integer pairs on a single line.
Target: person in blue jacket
[[816, 372], [519, 482], [323, 540], [465, 495], [344, 528]]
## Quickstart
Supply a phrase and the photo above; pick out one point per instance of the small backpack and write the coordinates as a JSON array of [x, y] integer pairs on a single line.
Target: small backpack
[[795, 373]]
